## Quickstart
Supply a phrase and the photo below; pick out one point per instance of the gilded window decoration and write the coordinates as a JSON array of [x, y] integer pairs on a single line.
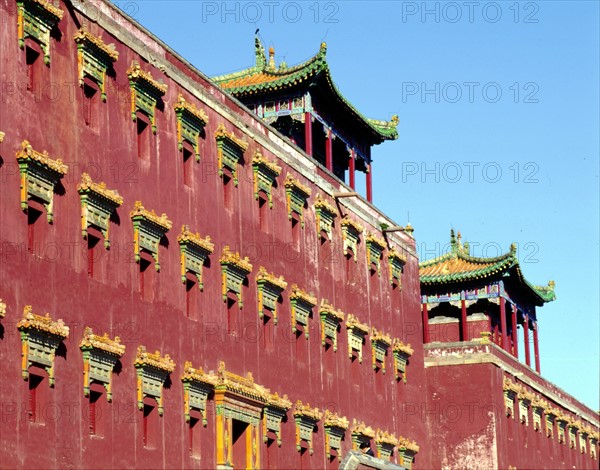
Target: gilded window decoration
[[40, 338], [396, 261], [380, 342], [561, 425], [583, 438], [525, 398], [269, 289], [356, 336], [302, 305], [145, 93], [375, 247], [325, 214], [351, 232], [39, 177], [97, 206], [335, 427], [94, 59], [296, 195], [265, 174], [306, 420], [273, 414], [361, 435], [148, 230], [194, 252], [100, 355], [537, 406], [230, 150], [573, 426], [385, 443], [152, 372], [330, 323], [408, 450], [401, 352], [593, 444], [551, 414], [234, 270], [190, 124], [510, 390], [197, 385], [35, 20]]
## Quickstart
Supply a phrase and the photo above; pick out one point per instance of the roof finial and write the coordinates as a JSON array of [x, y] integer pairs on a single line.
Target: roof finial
[[271, 57]]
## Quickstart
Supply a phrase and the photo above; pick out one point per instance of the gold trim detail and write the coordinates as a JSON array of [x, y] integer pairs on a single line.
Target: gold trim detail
[[191, 108], [135, 73], [31, 321], [83, 35], [259, 159], [334, 420], [27, 153], [221, 133], [293, 183], [263, 275], [305, 410], [299, 294], [103, 343], [234, 259], [187, 236], [145, 359], [139, 211], [99, 188]]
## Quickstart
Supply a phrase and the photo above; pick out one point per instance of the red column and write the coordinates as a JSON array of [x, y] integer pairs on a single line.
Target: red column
[[308, 133], [536, 348], [369, 184], [329, 151], [351, 169], [514, 332], [526, 339], [503, 324], [425, 324], [463, 321]]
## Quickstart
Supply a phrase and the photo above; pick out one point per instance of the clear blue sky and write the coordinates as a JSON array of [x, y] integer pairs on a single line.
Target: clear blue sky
[[499, 128]]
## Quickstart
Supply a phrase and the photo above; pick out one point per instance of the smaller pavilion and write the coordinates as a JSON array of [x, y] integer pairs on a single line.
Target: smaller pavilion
[[464, 297]]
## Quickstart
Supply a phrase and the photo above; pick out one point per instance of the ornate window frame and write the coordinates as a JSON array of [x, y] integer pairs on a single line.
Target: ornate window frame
[[351, 232], [191, 121], [402, 353], [380, 343], [145, 93], [296, 195], [408, 450], [325, 214], [94, 59], [573, 427], [357, 332], [335, 427], [265, 175], [525, 398], [302, 304], [194, 252], [35, 20], [385, 443], [361, 435], [306, 419], [269, 289], [561, 424], [197, 386], [152, 372], [396, 261], [551, 414], [230, 150], [375, 248], [148, 230], [274, 412], [234, 270], [331, 319], [510, 392]]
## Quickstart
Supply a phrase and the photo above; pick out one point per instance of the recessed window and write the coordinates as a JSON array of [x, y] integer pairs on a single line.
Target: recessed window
[[144, 136], [91, 104]]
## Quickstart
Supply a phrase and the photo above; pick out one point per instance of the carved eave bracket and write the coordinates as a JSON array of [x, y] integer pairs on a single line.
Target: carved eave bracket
[[100, 355], [40, 338], [39, 177], [380, 342], [408, 450], [274, 412], [296, 196], [356, 336], [325, 214], [194, 252], [351, 232], [375, 247], [401, 353], [152, 373], [234, 270], [269, 289], [97, 206], [265, 174], [197, 386], [396, 261], [335, 427], [94, 58], [302, 305], [306, 420], [361, 435], [230, 150], [385, 443], [191, 121], [145, 93], [330, 323], [148, 230], [35, 20]]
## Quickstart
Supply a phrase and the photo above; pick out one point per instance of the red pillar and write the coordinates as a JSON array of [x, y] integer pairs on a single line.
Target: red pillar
[[369, 184], [503, 324], [425, 324], [514, 332], [308, 133], [526, 339], [329, 151], [351, 169], [536, 348], [463, 321]]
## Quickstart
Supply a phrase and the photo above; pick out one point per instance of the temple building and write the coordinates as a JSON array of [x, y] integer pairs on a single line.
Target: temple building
[[187, 281]]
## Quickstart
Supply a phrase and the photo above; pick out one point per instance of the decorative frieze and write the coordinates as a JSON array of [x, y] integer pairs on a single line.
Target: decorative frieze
[[375, 247], [152, 372], [396, 261], [148, 230], [265, 174], [335, 427], [190, 124], [401, 353], [98, 204], [510, 390], [351, 232], [273, 414], [356, 336], [306, 420], [302, 304], [230, 151], [330, 323], [325, 214], [94, 59], [40, 338], [269, 289], [408, 450], [194, 252], [361, 435], [385, 443], [234, 270], [35, 20], [145, 93], [100, 355], [296, 196], [197, 385], [380, 342], [39, 177]]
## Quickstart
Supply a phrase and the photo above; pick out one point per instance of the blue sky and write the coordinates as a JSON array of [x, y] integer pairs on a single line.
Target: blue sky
[[499, 128]]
